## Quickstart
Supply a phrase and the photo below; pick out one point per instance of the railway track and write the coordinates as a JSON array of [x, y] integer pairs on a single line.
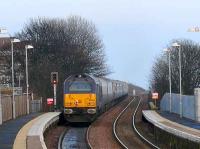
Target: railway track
[[100, 134], [136, 130], [87, 137], [74, 138], [78, 137], [123, 127], [115, 123], [126, 133]]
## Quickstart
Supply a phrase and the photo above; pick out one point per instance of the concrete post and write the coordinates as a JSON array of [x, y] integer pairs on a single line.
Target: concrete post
[[197, 104]]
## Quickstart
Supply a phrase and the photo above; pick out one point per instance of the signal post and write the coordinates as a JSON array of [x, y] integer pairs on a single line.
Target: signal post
[[54, 82], [155, 97]]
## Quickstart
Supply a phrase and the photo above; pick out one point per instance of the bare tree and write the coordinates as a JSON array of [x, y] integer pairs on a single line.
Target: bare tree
[[190, 53], [67, 46]]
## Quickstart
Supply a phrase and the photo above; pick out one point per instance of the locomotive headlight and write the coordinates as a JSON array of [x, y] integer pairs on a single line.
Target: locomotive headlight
[[68, 111], [91, 111]]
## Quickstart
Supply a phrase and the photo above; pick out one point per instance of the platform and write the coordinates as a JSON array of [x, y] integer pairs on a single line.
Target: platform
[[171, 125], [183, 121], [31, 135], [9, 130]]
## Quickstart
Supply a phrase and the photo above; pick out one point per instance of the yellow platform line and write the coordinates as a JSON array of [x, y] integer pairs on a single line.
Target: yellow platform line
[[20, 140]]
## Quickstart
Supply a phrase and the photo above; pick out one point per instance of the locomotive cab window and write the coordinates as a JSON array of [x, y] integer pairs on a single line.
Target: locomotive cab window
[[80, 86]]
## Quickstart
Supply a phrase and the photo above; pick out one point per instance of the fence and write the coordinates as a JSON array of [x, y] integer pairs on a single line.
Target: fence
[[6, 103], [20, 106], [36, 105], [190, 104]]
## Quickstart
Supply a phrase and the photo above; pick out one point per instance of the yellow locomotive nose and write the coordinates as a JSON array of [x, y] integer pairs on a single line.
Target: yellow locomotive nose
[[79, 100], [76, 103]]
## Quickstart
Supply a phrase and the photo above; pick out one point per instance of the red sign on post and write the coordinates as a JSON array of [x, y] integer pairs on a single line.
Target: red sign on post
[[49, 101], [154, 95]]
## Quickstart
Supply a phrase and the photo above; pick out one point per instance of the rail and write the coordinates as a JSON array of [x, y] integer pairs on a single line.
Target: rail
[[114, 125], [61, 139], [141, 136], [87, 138]]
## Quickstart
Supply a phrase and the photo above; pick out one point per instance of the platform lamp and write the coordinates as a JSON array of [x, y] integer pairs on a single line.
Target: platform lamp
[[13, 40], [170, 82], [175, 44], [27, 84]]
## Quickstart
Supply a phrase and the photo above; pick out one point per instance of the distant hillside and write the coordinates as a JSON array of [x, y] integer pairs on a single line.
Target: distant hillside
[[138, 90]]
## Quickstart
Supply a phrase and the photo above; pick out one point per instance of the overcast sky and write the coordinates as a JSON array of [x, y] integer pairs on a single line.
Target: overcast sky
[[134, 31]]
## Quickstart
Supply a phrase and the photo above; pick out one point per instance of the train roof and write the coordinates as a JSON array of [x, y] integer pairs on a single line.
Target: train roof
[[95, 78]]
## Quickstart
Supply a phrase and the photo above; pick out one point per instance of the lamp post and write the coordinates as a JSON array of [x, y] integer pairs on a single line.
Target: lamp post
[[13, 96], [27, 85], [170, 83], [13, 40], [179, 53]]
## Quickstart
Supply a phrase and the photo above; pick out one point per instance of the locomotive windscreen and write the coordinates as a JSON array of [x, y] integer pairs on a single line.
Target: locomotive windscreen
[[80, 86]]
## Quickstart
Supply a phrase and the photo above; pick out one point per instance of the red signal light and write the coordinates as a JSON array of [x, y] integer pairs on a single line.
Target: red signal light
[[54, 77]]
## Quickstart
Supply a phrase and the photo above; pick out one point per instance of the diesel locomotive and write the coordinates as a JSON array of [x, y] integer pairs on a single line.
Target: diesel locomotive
[[86, 96]]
